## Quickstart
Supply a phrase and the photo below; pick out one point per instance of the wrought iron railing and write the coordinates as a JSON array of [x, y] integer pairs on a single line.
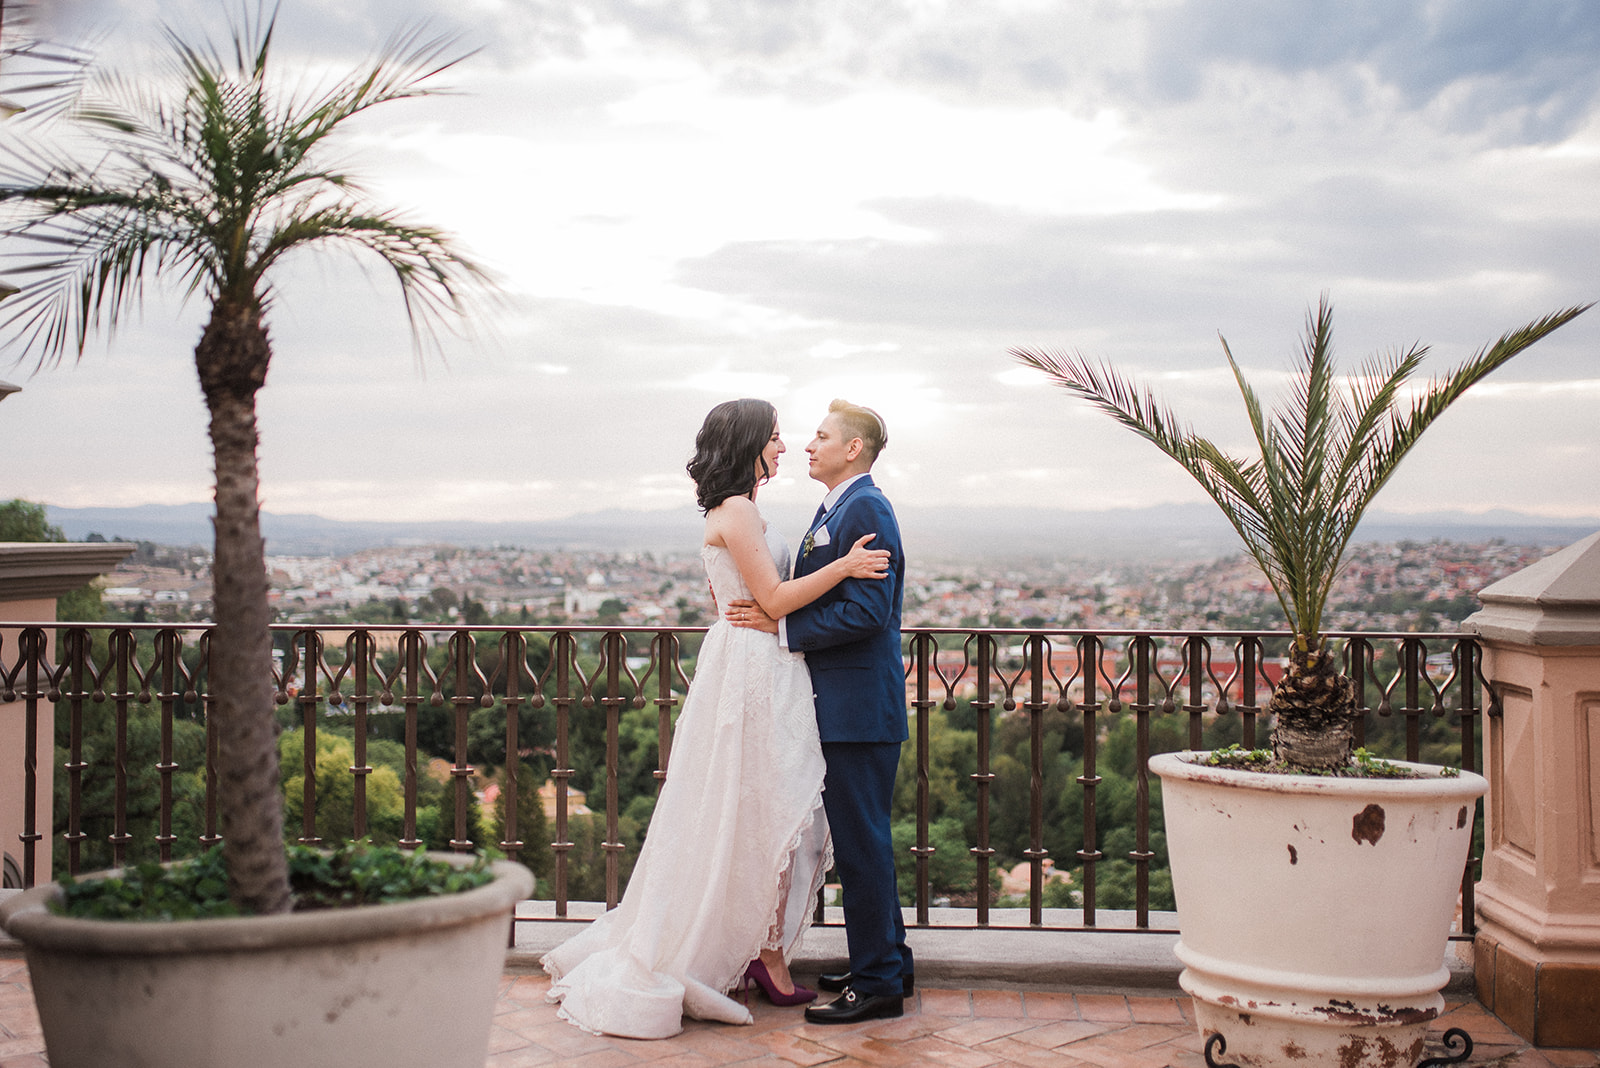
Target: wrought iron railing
[[379, 685]]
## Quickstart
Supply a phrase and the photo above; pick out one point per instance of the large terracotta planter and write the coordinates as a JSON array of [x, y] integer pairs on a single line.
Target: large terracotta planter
[[1314, 913], [410, 985]]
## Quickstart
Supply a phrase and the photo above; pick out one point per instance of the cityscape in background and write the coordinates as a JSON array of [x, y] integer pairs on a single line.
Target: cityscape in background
[[1400, 586], [1172, 567]]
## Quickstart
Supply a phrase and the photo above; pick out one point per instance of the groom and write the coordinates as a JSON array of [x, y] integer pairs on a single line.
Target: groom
[[851, 638]]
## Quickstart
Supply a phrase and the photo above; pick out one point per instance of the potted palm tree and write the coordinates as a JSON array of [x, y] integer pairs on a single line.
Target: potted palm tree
[[212, 185], [1314, 901]]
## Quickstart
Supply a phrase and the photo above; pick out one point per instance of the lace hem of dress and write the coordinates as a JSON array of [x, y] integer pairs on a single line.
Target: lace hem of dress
[[775, 939], [784, 883]]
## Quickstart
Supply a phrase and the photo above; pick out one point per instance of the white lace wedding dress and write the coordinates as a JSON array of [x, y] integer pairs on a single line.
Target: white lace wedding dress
[[736, 849]]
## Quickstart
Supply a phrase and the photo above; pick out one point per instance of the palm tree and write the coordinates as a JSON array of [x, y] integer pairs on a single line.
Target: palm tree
[[212, 185], [1324, 454]]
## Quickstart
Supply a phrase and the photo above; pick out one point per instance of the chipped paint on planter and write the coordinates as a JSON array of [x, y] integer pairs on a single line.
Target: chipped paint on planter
[[1315, 912]]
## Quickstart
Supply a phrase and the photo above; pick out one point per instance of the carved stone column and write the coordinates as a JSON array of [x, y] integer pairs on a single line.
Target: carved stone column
[[1537, 958]]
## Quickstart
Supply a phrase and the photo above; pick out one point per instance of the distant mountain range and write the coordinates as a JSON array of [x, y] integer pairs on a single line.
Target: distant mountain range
[[1165, 532]]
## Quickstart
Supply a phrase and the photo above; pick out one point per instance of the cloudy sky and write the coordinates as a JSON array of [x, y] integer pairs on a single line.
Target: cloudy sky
[[692, 200]]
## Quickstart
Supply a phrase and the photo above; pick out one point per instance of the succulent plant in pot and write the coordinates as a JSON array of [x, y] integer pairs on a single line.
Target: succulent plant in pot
[[210, 174], [1315, 904]]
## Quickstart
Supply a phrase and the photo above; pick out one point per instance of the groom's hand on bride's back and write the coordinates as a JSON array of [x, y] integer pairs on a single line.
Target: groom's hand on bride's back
[[749, 614]]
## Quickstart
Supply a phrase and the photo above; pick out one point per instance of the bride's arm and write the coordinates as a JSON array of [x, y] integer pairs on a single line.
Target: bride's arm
[[736, 525]]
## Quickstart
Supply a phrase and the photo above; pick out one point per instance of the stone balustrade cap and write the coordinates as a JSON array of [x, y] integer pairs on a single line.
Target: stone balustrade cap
[[39, 569], [1555, 601]]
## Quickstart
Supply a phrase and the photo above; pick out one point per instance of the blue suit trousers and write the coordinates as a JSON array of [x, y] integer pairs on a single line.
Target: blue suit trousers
[[857, 791]]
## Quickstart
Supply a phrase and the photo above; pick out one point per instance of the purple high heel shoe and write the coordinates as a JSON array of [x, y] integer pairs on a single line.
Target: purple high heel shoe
[[757, 973]]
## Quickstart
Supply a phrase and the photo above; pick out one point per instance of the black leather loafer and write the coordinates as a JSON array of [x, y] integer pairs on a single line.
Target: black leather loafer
[[835, 982], [850, 1007]]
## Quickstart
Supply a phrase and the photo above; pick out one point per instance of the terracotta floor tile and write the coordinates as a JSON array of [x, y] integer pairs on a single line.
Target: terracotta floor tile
[[1525, 1058], [1190, 1040], [906, 1027], [502, 1039], [949, 1027], [1139, 1036], [34, 1061], [795, 1050], [1048, 1005], [1061, 1033], [1572, 1058], [528, 989], [1176, 1057], [947, 1002], [607, 1058], [526, 1057], [725, 1045], [976, 1032], [1010, 1051], [1484, 1028], [21, 1047], [1104, 1057], [859, 1048], [1110, 1008], [1157, 1010], [27, 1039], [687, 1059], [515, 1016], [997, 1003], [558, 1036], [933, 1050]]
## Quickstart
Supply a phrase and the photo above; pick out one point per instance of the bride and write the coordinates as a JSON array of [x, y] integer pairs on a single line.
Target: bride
[[738, 845]]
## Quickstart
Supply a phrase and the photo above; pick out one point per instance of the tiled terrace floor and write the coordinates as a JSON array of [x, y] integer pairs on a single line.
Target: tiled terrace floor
[[942, 1026]]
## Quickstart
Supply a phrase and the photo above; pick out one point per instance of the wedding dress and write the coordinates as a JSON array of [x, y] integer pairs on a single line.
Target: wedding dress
[[737, 847]]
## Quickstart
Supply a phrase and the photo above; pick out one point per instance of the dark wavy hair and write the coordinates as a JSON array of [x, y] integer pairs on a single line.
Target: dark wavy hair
[[730, 442]]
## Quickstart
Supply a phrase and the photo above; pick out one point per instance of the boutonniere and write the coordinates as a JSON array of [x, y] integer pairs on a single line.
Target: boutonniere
[[808, 544]]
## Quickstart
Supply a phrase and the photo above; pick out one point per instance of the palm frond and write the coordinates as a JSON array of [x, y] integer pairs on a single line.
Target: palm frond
[[1324, 452], [219, 180], [1403, 430], [40, 77], [1235, 487]]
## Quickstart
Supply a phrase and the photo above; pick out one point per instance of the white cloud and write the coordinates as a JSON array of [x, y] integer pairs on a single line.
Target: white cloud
[[695, 202]]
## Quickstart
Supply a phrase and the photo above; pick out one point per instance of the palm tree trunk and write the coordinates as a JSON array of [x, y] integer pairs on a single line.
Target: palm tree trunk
[[1313, 709], [232, 359]]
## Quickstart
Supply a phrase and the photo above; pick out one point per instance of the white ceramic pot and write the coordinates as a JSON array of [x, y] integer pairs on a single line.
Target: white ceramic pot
[[1314, 912], [409, 985]]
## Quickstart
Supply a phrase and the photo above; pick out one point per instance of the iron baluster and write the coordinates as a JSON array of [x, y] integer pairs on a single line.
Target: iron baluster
[[922, 704], [983, 777]]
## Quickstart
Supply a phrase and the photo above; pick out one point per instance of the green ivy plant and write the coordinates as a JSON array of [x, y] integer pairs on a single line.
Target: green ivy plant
[[357, 873]]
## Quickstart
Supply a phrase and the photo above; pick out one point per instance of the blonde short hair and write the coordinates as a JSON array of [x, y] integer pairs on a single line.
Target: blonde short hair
[[864, 423]]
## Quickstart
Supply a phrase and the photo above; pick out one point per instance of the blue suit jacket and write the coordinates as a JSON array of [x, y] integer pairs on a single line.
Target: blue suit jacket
[[851, 634]]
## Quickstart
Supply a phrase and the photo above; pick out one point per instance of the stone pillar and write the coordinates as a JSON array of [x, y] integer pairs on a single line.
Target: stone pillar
[[1537, 953], [32, 576]]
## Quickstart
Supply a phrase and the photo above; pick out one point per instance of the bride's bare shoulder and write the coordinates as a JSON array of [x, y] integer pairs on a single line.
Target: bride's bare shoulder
[[734, 516]]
